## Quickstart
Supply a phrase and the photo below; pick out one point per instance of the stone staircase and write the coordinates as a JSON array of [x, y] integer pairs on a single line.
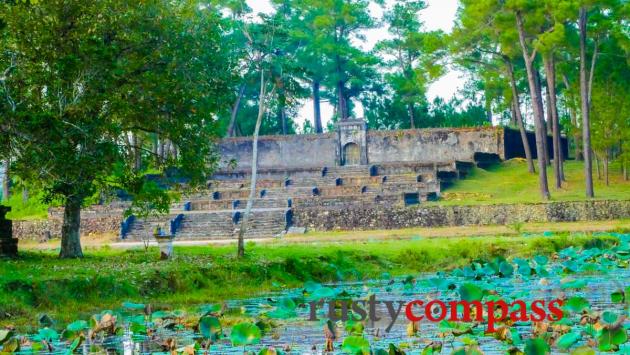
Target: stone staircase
[[218, 211]]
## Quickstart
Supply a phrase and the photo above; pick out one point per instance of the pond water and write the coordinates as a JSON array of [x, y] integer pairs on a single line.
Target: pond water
[[600, 277]]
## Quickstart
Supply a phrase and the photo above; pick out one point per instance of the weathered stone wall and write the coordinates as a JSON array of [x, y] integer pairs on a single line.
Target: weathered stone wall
[[317, 151], [281, 152], [96, 219], [388, 217], [433, 145]]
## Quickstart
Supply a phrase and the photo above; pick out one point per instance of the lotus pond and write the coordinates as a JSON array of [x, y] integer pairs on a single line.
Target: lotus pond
[[593, 283]]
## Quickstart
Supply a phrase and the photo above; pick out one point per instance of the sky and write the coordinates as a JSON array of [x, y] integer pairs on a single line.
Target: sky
[[439, 15]]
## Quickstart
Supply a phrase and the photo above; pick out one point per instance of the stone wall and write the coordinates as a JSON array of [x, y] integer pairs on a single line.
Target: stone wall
[[281, 152], [317, 151], [387, 217], [95, 220], [433, 145]]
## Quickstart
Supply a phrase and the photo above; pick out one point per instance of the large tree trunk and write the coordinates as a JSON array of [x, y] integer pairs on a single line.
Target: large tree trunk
[[6, 181], [573, 114], [516, 108], [252, 189], [538, 110], [343, 109], [235, 108], [550, 72], [542, 116], [71, 229], [584, 95], [412, 118], [317, 112]]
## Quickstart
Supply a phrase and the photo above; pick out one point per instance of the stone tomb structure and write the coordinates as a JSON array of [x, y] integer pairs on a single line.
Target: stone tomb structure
[[313, 175]]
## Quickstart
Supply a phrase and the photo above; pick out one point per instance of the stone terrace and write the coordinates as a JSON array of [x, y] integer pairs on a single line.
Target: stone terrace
[[216, 212]]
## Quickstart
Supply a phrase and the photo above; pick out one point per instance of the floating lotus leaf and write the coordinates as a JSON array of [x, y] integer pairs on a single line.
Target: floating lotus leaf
[[506, 269], [609, 318], [207, 309], [245, 334], [138, 328], [77, 326], [46, 334], [577, 304], [618, 296], [310, 286], [210, 327], [572, 284], [537, 346], [567, 340], [470, 292], [323, 292], [610, 339], [356, 345]]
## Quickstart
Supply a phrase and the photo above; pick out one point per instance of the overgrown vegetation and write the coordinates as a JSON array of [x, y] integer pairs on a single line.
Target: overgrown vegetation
[[509, 182], [39, 282]]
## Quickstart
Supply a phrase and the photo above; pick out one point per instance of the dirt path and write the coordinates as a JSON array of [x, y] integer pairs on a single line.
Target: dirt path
[[352, 236]]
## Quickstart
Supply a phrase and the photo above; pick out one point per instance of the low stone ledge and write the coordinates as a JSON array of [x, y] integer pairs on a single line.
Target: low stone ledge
[[42, 230], [391, 217]]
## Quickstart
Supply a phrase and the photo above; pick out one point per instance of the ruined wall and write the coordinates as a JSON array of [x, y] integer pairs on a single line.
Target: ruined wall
[[417, 145], [379, 217], [433, 145], [281, 152], [94, 220]]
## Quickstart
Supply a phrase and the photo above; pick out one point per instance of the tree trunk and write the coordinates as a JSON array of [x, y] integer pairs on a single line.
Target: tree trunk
[[548, 61], [71, 229], [513, 122], [342, 110], [282, 117], [24, 194], [6, 181], [412, 116], [576, 134], [137, 154], [586, 122], [252, 188], [538, 110], [599, 173], [235, 109], [606, 160], [542, 116], [317, 113], [516, 108]]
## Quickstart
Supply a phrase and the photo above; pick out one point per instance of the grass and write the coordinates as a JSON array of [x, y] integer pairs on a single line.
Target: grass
[[38, 282], [32, 209], [509, 182]]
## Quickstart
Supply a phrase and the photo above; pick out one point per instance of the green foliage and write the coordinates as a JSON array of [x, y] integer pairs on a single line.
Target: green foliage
[[114, 77]]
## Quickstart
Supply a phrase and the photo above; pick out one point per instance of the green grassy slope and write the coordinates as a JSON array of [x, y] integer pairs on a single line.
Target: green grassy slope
[[509, 182]]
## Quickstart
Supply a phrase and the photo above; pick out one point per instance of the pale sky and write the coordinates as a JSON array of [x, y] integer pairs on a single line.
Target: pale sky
[[439, 15]]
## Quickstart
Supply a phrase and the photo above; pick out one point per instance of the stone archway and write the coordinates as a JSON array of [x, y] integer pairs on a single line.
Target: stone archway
[[351, 154]]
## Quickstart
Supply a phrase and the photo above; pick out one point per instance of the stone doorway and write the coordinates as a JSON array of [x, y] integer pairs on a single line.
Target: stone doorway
[[351, 154]]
